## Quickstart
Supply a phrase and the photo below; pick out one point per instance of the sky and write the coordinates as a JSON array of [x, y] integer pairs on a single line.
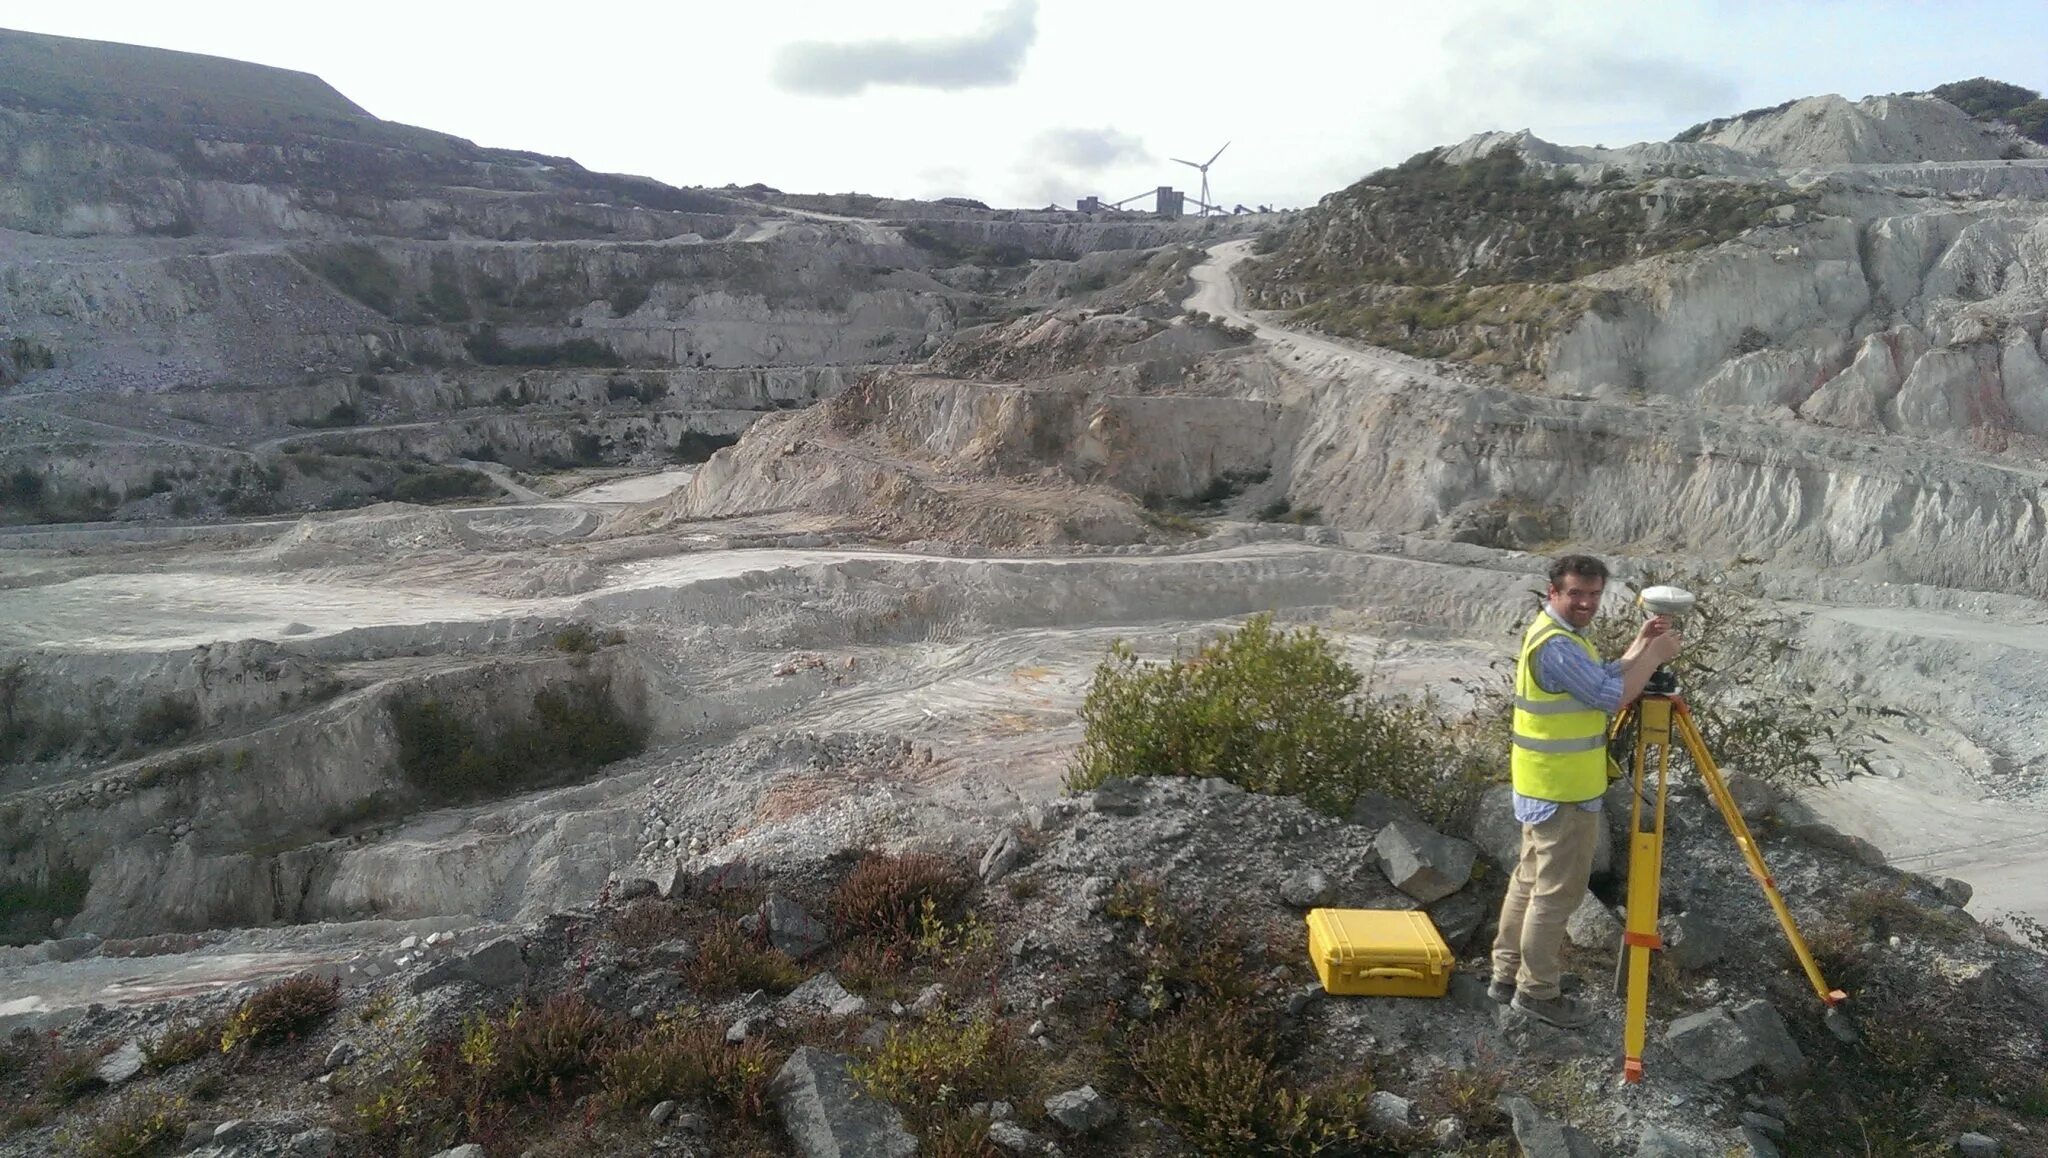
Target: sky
[[1035, 102]]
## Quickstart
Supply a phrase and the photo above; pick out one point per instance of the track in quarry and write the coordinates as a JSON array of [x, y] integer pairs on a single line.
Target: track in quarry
[[800, 695]]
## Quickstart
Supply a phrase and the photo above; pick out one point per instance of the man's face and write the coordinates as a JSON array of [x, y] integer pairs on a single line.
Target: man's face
[[1576, 599]]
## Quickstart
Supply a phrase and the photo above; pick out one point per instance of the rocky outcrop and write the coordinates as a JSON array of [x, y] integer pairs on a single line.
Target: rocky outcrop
[[1883, 273]]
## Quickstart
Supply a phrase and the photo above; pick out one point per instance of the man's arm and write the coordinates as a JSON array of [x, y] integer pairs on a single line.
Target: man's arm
[[1564, 666]]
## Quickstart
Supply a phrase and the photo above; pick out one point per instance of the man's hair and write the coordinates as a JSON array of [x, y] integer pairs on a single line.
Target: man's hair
[[1584, 566]]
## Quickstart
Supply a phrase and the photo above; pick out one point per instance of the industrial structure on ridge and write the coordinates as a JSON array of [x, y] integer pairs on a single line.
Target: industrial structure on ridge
[[1168, 201]]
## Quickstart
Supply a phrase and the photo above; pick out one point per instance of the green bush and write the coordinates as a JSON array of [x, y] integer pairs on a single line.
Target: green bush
[[444, 299], [885, 895], [565, 1037], [1272, 712], [1992, 100], [439, 483], [570, 730], [935, 1066], [362, 273], [144, 1126], [1212, 1071], [281, 1012], [486, 347], [1753, 716], [168, 717], [695, 446], [26, 910], [688, 1060], [339, 415]]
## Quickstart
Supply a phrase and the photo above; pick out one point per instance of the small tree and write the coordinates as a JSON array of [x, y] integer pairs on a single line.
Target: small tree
[[1754, 715]]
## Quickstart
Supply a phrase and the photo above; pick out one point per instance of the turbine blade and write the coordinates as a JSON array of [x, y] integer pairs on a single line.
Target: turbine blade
[[1219, 153], [1189, 164]]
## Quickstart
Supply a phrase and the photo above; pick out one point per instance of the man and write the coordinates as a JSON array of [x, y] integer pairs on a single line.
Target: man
[[1564, 699]]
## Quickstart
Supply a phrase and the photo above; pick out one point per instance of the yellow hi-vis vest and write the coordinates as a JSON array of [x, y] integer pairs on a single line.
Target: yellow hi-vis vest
[[1560, 744]]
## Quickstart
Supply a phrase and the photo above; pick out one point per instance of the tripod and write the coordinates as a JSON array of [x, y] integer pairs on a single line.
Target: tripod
[[1659, 713]]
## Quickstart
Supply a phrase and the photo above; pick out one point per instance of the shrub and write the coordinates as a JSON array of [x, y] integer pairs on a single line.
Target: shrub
[[1753, 716], [70, 1074], [168, 717], [176, 1047], [1271, 712], [936, 1066], [1184, 955], [885, 896], [570, 730], [565, 1037], [576, 639], [693, 446], [728, 960], [338, 415], [26, 909], [444, 299], [486, 347], [361, 272], [647, 921], [439, 483], [1211, 1071], [281, 1012], [145, 1126], [688, 1060]]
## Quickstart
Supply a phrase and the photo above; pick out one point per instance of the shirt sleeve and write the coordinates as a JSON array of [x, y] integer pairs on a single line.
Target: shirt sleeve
[[1563, 666]]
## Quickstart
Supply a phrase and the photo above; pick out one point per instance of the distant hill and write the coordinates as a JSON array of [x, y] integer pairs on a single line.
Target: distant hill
[[126, 82]]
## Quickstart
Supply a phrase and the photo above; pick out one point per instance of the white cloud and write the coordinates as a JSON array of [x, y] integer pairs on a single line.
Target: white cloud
[[992, 57]]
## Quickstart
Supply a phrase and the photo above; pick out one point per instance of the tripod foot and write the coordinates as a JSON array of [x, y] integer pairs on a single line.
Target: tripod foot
[[1632, 1070]]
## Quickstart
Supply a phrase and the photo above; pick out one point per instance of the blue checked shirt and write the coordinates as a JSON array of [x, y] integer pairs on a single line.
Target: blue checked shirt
[[1564, 666]]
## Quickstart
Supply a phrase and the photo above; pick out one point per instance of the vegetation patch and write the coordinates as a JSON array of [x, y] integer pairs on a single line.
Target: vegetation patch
[[341, 414], [570, 730], [892, 896], [1993, 100], [1471, 261], [489, 349], [433, 484], [280, 1013], [142, 1126], [27, 910], [362, 273], [939, 245], [30, 496], [695, 446], [1275, 712], [1754, 718]]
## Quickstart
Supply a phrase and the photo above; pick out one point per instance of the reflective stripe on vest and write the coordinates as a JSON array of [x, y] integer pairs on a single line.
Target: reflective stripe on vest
[[1559, 743]]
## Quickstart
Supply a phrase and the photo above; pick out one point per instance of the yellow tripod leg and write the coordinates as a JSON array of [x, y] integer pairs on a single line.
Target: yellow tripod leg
[[1710, 775], [1645, 876]]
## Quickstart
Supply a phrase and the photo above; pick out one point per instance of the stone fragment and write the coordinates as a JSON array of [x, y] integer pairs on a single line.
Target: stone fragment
[[1692, 942], [121, 1065], [1423, 862], [827, 1115], [1081, 1111], [1306, 889], [1004, 853], [1542, 1137], [794, 932], [1975, 1145], [318, 1142], [1390, 1111], [1593, 925]]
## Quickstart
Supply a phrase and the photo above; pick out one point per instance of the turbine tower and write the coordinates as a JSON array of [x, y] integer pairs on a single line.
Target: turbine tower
[[1204, 168]]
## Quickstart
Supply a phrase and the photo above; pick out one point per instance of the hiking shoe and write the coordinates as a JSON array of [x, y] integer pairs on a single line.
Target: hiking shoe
[[1503, 992], [1560, 1011]]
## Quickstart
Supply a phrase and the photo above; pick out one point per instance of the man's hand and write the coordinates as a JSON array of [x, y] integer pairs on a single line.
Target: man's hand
[[1661, 648], [1656, 627]]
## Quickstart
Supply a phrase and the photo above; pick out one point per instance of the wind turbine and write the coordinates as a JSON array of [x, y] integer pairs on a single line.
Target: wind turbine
[[1204, 167]]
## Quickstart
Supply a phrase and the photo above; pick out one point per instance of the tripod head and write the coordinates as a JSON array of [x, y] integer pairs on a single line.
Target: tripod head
[[1675, 603]]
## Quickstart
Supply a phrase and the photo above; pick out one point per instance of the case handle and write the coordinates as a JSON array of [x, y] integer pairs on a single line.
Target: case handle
[[1391, 971]]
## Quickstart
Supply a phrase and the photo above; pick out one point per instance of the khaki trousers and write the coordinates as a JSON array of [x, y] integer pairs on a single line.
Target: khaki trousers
[[1548, 883]]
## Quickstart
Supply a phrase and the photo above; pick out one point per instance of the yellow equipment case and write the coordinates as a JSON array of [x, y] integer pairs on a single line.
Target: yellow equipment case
[[1379, 952]]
